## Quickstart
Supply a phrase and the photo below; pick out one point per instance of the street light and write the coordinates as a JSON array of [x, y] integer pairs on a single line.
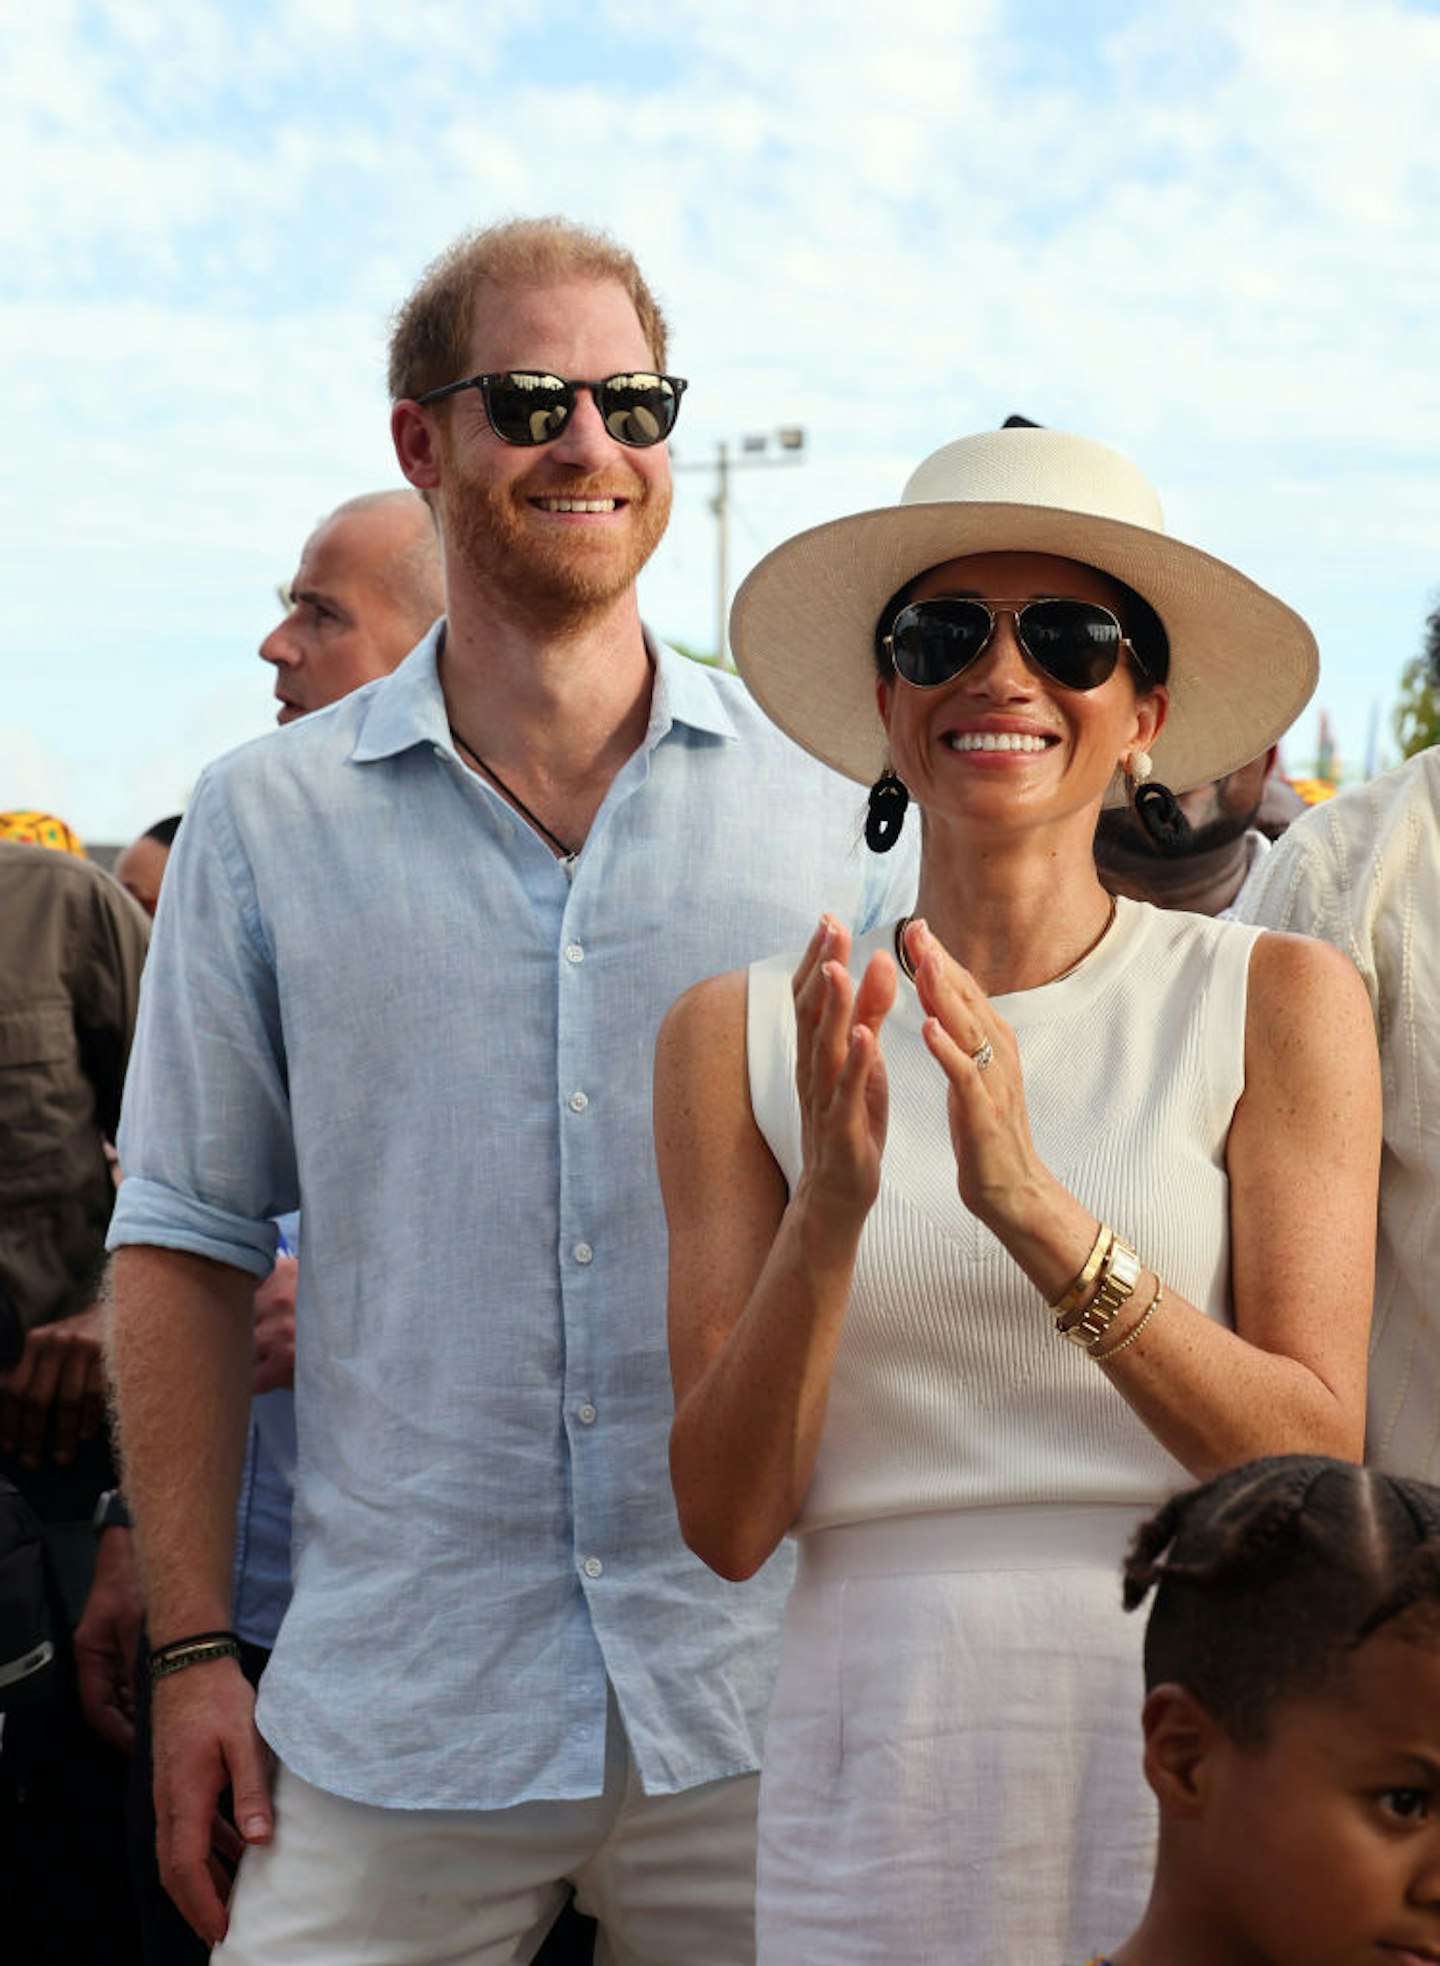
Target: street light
[[789, 441]]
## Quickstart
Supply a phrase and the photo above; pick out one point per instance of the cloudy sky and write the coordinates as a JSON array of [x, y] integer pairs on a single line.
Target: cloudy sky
[[1203, 230]]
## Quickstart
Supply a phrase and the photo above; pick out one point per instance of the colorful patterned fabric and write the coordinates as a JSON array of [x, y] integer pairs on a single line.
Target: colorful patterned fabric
[[1314, 791], [30, 828]]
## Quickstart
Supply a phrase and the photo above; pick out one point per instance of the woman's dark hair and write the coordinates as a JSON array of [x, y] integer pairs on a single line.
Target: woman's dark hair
[[1268, 1578], [1143, 627], [164, 830]]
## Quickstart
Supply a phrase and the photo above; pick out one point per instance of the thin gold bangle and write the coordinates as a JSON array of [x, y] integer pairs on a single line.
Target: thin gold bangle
[[1104, 1358], [1074, 1296]]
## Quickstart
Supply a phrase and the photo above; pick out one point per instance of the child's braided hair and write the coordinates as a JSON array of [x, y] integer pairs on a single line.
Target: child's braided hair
[[1267, 1579]]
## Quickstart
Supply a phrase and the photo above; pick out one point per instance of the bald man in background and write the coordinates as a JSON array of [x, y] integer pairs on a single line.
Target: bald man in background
[[368, 586]]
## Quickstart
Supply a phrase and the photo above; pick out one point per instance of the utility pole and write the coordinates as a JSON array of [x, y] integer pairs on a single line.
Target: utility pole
[[754, 453]]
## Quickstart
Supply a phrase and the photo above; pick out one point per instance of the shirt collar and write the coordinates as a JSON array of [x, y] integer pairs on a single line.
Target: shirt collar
[[407, 707], [685, 692]]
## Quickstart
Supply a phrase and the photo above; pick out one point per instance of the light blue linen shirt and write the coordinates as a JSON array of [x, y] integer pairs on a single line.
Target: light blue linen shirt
[[260, 1574], [373, 990]]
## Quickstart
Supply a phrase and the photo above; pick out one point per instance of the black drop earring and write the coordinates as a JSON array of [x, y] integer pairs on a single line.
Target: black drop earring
[[886, 814], [1156, 806]]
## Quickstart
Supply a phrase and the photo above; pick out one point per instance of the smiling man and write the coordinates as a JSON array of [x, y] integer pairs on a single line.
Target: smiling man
[[368, 586], [409, 977]]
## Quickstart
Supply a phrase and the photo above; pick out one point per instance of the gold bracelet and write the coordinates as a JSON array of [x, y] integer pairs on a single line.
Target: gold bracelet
[[1075, 1295], [1104, 1358], [1119, 1275]]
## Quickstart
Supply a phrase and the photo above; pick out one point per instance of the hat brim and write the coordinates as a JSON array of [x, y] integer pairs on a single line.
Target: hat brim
[[1242, 664]]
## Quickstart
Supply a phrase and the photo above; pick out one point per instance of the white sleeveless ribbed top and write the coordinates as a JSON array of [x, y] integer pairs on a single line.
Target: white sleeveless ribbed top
[[951, 1387]]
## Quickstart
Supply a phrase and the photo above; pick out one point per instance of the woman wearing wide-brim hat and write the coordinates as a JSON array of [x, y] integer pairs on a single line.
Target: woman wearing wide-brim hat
[[1009, 1219]]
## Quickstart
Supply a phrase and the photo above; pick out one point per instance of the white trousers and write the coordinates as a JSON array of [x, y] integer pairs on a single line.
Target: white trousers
[[671, 1878], [952, 1760]]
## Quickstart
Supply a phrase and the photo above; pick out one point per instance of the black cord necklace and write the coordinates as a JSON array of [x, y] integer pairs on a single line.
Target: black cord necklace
[[568, 854]]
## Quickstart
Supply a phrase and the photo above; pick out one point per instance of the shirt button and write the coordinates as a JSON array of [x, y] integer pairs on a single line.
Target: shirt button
[[578, 1102], [583, 1253], [585, 1414], [593, 1567], [574, 953]]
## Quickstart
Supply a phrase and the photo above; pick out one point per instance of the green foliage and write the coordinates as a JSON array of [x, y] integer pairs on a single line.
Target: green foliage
[[1417, 714]]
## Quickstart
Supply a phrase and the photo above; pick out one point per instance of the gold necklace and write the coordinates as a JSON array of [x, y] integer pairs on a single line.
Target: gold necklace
[[902, 954]]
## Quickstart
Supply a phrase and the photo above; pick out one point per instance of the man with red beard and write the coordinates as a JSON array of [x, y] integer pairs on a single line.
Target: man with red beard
[[409, 979]]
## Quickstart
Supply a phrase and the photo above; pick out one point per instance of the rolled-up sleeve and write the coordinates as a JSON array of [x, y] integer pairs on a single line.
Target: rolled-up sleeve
[[205, 1136]]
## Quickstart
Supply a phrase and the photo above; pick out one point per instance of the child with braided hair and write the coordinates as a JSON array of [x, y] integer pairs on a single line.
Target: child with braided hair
[[1292, 1719]]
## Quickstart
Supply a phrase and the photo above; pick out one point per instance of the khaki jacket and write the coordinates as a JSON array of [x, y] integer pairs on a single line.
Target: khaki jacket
[[72, 944]]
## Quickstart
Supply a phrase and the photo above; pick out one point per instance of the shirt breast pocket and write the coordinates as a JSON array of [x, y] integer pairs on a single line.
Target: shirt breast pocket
[[40, 1080]]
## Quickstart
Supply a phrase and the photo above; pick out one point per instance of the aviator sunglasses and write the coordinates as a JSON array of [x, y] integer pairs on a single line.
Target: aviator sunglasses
[[1075, 643], [529, 406]]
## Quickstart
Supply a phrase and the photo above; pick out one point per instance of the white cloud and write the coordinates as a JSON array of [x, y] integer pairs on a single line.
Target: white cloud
[[1203, 234]]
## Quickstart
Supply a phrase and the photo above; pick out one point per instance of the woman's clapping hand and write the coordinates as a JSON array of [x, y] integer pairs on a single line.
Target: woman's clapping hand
[[1000, 1176], [839, 1070]]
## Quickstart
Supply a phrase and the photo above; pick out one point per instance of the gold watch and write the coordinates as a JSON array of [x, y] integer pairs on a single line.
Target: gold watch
[[1118, 1279]]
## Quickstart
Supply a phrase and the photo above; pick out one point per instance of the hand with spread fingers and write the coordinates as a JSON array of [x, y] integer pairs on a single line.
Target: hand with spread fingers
[[1000, 1175], [839, 1069]]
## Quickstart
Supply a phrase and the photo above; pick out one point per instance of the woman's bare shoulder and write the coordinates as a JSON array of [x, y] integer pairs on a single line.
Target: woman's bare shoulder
[[1289, 973], [1309, 1033], [701, 1046], [705, 1011]]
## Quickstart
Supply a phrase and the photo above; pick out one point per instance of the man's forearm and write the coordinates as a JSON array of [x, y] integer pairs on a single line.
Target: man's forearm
[[180, 1349]]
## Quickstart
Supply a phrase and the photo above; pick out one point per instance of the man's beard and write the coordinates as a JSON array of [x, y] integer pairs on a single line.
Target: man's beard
[[1124, 835], [559, 575]]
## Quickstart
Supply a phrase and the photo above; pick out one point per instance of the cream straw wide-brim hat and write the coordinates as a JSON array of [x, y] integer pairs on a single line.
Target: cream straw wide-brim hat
[[1242, 664]]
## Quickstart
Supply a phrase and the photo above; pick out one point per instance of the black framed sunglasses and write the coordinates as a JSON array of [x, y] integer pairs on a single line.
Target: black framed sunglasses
[[1077, 644], [530, 406]]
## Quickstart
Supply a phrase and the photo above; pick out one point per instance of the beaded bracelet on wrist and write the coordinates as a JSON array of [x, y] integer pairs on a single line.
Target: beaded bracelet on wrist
[[1104, 1358], [197, 1650]]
